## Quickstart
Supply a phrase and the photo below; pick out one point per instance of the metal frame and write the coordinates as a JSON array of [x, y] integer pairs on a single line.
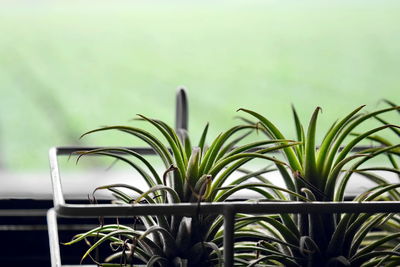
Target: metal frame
[[227, 210]]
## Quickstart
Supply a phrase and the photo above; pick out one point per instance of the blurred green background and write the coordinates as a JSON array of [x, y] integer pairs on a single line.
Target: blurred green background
[[70, 66]]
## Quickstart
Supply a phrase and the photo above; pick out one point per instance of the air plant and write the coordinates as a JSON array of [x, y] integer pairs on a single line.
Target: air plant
[[321, 173], [193, 174]]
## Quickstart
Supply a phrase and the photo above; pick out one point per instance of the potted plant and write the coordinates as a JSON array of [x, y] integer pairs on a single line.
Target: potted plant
[[321, 173]]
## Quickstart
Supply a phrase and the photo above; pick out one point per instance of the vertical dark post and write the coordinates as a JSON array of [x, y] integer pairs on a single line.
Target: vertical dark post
[[181, 116], [229, 227]]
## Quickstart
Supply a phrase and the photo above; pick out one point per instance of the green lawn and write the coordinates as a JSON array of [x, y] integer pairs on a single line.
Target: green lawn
[[70, 66]]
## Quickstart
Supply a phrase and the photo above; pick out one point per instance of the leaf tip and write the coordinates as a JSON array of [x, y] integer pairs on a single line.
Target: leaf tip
[[83, 135]]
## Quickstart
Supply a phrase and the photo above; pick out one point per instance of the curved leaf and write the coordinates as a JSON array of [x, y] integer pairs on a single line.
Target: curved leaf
[[290, 154]]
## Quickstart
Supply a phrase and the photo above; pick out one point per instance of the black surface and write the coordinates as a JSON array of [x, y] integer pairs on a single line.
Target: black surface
[[24, 239]]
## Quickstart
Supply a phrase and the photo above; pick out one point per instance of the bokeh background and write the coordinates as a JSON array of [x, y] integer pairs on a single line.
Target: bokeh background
[[67, 67]]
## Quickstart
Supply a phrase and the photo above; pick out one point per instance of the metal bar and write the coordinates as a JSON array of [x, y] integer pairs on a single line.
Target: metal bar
[[149, 151], [53, 238], [229, 226], [72, 149], [58, 197], [191, 209]]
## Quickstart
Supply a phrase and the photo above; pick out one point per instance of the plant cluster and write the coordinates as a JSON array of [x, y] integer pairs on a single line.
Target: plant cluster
[[311, 172]]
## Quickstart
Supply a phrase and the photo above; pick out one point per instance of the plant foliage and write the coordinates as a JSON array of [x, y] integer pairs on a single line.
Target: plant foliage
[[192, 174], [322, 173]]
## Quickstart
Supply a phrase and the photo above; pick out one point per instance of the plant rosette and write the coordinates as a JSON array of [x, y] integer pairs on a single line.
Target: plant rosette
[[194, 174], [321, 173]]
